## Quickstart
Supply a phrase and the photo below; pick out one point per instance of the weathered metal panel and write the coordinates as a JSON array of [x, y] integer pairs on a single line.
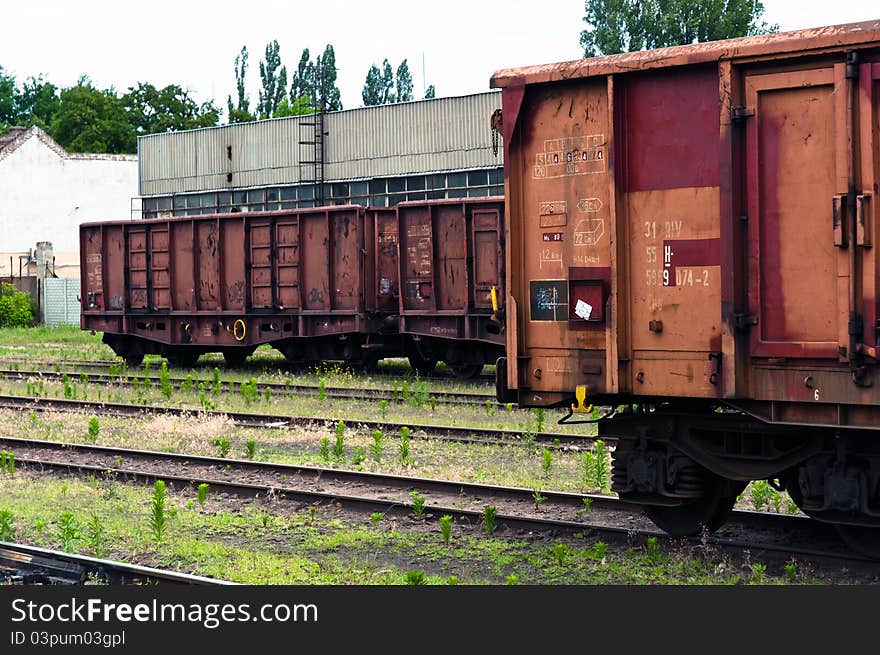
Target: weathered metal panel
[[732, 232], [61, 301], [387, 140], [560, 234], [451, 255], [384, 272], [793, 178]]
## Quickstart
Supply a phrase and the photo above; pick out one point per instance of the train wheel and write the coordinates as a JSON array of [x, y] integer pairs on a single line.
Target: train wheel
[[861, 538], [421, 365], [466, 371], [710, 511], [133, 358]]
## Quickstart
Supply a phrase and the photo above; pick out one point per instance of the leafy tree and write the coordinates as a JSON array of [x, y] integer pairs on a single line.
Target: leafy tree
[[298, 108], [240, 112], [274, 78], [151, 110], [430, 93], [89, 120], [303, 79], [316, 81], [37, 102], [372, 92], [628, 25], [331, 96], [379, 85], [404, 83], [8, 108]]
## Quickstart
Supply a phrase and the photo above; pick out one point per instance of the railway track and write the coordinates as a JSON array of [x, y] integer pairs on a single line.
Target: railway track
[[21, 564], [520, 510], [279, 421], [484, 379], [281, 388]]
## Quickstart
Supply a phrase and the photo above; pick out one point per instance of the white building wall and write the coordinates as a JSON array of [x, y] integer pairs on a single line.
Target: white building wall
[[45, 194]]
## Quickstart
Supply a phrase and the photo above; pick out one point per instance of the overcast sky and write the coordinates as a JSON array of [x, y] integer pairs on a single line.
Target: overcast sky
[[457, 43]]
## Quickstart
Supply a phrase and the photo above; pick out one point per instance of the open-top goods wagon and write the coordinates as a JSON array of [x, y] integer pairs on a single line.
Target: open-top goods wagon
[[690, 240], [317, 284]]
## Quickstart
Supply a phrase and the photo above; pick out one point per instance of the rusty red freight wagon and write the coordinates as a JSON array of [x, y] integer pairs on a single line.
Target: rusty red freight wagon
[[691, 239], [316, 284], [452, 275]]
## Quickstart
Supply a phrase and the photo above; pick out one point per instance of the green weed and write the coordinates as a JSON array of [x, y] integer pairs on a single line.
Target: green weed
[[446, 528], [223, 446], [250, 448], [376, 446], [404, 445], [68, 532], [418, 504], [158, 519], [202, 492], [489, 514], [94, 429], [415, 578], [96, 537], [7, 531]]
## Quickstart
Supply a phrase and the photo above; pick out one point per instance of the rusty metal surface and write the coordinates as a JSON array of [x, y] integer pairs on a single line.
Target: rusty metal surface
[[209, 280], [800, 42], [698, 229], [451, 257]]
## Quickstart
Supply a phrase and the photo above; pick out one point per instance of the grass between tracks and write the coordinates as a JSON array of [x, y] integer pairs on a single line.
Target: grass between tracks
[[275, 542]]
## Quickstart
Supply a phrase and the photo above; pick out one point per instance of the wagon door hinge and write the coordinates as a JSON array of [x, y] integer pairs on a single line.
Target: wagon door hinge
[[744, 320], [716, 374], [852, 65], [739, 114]]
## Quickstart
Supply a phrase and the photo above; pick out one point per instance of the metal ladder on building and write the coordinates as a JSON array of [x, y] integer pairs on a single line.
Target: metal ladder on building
[[311, 144]]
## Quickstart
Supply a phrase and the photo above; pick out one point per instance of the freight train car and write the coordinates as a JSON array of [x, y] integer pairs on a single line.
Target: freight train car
[[317, 284], [690, 239]]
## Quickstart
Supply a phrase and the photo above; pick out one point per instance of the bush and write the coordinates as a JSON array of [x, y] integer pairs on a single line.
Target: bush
[[15, 307]]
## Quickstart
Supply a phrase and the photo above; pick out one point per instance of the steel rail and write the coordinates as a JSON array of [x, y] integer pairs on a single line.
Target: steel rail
[[282, 421], [312, 482], [361, 393], [27, 565]]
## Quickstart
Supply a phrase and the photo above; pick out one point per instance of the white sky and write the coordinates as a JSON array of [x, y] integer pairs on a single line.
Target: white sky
[[194, 42]]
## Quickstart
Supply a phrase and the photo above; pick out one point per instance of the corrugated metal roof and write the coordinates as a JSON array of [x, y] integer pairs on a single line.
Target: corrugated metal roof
[[405, 138], [799, 41]]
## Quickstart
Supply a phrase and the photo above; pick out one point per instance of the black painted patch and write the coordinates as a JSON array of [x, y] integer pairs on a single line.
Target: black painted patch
[[548, 300]]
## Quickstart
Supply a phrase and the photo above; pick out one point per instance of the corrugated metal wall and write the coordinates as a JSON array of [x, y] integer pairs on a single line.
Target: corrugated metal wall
[[413, 137]]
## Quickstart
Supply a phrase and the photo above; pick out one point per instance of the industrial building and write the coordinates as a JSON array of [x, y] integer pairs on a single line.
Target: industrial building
[[371, 156]]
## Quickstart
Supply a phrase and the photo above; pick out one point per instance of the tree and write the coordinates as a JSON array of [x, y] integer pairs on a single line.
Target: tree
[[303, 79], [404, 83], [298, 108], [8, 108], [379, 85], [331, 97], [240, 112], [37, 102], [430, 93], [274, 81], [89, 120], [316, 81], [151, 110], [615, 26]]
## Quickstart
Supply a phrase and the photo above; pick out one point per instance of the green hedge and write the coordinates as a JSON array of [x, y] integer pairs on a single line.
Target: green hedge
[[15, 307]]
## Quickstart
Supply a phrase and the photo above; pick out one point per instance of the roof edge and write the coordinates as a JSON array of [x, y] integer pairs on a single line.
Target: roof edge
[[805, 40]]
